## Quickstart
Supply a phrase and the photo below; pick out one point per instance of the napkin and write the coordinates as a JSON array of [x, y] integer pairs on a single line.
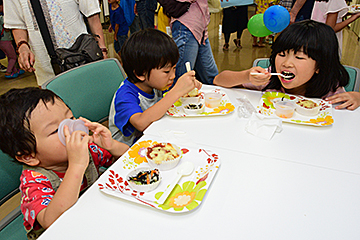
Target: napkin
[[263, 126], [177, 137]]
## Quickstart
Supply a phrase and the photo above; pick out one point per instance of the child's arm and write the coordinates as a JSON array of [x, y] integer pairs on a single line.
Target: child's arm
[[351, 100], [68, 191], [102, 137], [332, 18], [234, 78], [184, 84], [117, 26]]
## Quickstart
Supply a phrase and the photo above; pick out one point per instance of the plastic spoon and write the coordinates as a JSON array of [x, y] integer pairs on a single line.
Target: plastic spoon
[[188, 67], [184, 169], [280, 74]]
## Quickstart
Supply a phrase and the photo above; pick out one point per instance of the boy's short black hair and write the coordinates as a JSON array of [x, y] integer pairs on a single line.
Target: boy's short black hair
[[16, 107], [146, 50]]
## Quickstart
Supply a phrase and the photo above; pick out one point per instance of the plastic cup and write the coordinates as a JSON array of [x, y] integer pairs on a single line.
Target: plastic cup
[[212, 100], [74, 125], [284, 108]]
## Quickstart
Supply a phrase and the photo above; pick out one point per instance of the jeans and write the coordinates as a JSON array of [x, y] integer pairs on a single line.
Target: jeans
[[119, 43], [146, 10], [200, 56]]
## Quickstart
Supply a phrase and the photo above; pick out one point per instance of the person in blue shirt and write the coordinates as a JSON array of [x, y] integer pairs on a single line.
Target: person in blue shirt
[[119, 24], [149, 58]]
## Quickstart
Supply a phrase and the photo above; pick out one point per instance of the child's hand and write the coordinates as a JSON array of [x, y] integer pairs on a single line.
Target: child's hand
[[351, 100], [101, 134], [261, 79], [110, 29], [186, 83], [77, 148]]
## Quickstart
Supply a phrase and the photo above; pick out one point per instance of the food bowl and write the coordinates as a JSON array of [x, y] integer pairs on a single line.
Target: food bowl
[[307, 107], [194, 109], [284, 108], [213, 99], [164, 156], [193, 97], [139, 183]]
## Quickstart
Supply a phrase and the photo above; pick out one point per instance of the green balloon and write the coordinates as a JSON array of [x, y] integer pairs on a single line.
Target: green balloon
[[257, 27]]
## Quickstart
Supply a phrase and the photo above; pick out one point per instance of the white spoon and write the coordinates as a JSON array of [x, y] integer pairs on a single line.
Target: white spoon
[[188, 67], [280, 74], [183, 170]]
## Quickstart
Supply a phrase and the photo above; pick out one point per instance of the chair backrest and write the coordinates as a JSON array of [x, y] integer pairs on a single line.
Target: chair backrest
[[89, 89], [10, 173], [261, 62], [354, 80], [11, 222], [354, 73]]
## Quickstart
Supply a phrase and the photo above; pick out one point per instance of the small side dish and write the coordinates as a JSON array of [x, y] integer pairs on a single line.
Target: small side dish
[[193, 109], [284, 108], [307, 107], [192, 97], [164, 156], [144, 179], [212, 99]]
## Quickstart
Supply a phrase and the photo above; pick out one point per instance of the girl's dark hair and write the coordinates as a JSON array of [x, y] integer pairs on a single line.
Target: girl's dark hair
[[16, 107], [319, 42], [146, 50]]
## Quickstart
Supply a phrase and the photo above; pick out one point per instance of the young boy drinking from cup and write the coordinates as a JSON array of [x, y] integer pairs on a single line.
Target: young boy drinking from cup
[[54, 174]]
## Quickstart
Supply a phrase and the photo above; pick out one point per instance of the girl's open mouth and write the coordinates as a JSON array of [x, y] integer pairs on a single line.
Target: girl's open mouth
[[289, 76]]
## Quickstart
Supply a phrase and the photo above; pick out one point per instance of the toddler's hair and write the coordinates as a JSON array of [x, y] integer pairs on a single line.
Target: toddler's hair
[[319, 42], [146, 50], [16, 107]]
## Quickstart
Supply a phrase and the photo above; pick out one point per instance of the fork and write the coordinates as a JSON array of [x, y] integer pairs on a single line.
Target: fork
[[280, 74]]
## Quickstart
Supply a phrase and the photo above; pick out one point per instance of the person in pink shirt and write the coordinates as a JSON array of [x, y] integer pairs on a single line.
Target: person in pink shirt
[[190, 33]]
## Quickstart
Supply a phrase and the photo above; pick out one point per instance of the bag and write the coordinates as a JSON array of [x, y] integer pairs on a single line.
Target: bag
[[84, 50], [173, 8]]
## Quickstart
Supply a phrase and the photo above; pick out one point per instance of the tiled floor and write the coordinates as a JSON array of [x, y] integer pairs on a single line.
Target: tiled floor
[[234, 59]]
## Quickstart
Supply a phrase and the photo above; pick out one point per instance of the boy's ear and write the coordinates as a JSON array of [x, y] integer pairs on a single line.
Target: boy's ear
[[30, 160], [141, 78]]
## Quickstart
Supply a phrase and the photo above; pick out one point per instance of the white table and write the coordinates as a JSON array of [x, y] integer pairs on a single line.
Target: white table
[[257, 193], [332, 147]]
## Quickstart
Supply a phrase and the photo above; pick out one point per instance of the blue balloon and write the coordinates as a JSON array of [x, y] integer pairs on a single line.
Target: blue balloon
[[276, 18]]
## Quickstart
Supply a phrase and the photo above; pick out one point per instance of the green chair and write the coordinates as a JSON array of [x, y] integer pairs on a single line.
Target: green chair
[[354, 80], [354, 73], [89, 89], [11, 226], [262, 62]]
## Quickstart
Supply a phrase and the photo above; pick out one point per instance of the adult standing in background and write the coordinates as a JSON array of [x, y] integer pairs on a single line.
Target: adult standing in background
[[235, 19], [301, 10], [65, 23], [331, 12], [146, 10], [190, 34]]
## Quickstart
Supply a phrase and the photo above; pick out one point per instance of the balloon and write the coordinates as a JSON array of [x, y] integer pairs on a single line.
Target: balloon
[[276, 18], [257, 27]]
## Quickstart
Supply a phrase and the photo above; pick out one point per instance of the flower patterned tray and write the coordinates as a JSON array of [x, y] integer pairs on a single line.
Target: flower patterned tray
[[225, 107], [324, 118], [354, 8], [187, 194]]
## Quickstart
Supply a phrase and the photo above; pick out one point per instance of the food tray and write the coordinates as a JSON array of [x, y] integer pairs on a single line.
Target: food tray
[[324, 117], [187, 194], [225, 107]]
